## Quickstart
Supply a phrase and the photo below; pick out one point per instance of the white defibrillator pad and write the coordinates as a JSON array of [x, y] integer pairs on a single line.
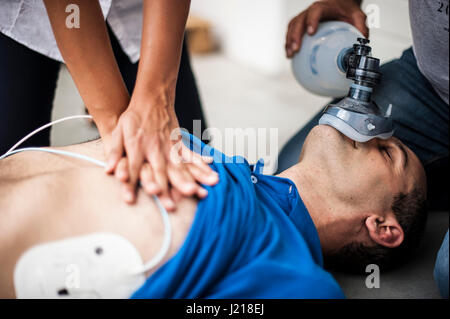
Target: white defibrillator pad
[[101, 265]]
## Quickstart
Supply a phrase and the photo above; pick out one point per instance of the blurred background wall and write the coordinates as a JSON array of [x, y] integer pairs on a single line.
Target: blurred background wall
[[252, 32]]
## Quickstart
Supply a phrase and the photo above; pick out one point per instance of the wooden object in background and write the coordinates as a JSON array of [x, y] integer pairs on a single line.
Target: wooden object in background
[[199, 37]]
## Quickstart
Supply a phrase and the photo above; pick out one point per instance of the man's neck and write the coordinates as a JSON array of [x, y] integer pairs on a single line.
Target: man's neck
[[327, 212]]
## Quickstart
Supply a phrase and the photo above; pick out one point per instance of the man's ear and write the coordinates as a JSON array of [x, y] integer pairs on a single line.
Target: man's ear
[[385, 230]]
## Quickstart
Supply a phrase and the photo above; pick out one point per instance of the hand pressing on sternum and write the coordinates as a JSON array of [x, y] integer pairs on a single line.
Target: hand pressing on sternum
[[145, 146], [137, 132]]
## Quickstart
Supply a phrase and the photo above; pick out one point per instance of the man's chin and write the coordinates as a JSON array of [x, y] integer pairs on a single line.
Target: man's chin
[[324, 138], [328, 134]]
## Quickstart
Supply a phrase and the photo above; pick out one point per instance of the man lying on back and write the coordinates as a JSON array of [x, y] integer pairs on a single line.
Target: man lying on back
[[253, 236]]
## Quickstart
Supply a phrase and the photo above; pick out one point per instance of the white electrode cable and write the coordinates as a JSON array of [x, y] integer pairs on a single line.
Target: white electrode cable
[[58, 152], [165, 216], [43, 128]]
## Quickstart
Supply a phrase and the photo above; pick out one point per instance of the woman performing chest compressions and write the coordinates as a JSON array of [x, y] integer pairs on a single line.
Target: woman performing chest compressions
[[139, 51]]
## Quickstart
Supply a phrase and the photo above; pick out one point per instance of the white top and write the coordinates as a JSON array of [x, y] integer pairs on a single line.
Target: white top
[[26, 22]]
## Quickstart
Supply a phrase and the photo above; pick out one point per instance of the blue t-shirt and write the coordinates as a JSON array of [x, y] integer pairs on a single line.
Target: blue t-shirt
[[252, 237]]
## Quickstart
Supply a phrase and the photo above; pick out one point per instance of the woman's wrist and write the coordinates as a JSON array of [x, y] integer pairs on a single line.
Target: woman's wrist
[[159, 97], [107, 109], [161, 91], [155, 114], [105, 123]]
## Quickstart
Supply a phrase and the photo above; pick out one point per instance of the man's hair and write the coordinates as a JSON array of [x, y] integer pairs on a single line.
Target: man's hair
[[411, 213]]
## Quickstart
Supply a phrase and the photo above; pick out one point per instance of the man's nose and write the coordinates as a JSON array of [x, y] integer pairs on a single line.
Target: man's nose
[[390, 142], [378, 142], [375, 142]]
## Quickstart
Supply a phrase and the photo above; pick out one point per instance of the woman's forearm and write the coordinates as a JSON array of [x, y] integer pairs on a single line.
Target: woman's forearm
[[164, 23], [140, 147], [90, 59]]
